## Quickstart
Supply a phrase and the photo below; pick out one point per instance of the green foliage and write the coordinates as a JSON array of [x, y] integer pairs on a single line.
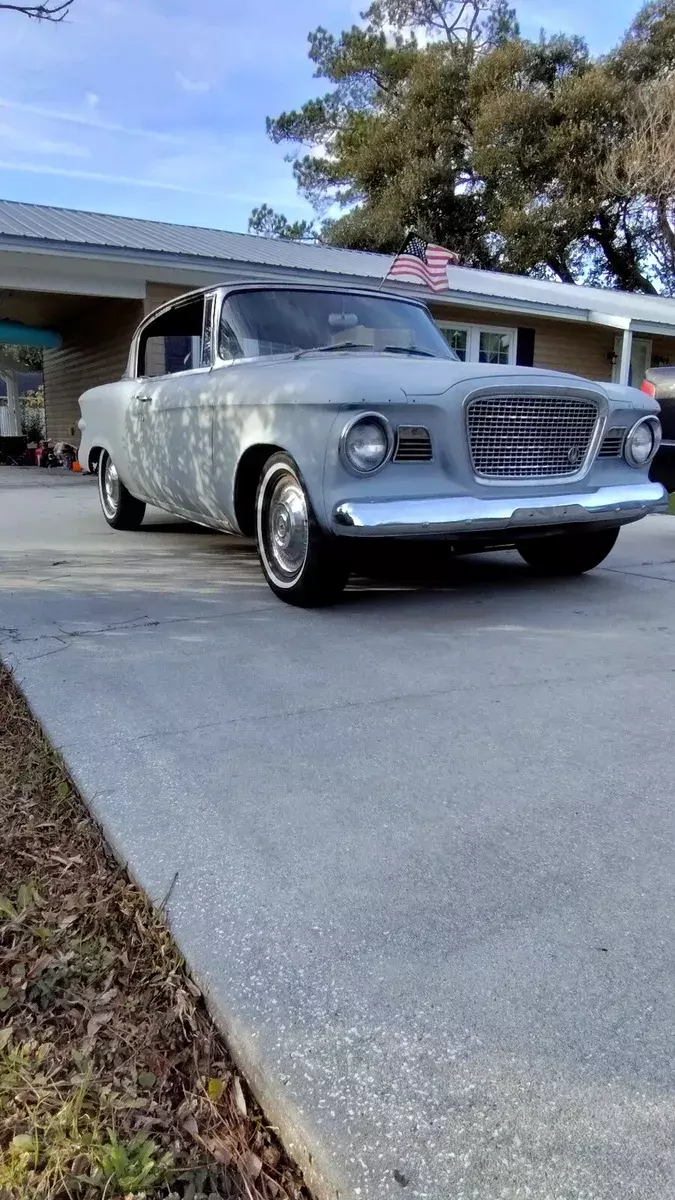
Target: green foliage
[[134, 1168], [491, 144], [267, 223], [25, 358]]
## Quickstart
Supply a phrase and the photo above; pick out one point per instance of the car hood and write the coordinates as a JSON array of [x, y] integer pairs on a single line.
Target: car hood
[[413, 376]]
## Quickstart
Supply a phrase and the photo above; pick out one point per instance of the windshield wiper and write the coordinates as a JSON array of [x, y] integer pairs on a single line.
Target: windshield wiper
[[365, 346], [409, 350], [331, 346]]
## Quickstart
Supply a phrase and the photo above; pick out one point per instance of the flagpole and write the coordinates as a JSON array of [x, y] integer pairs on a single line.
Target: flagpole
[[403, 244]]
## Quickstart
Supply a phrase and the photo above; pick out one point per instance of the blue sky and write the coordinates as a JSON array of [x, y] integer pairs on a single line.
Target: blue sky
[[156, 108]]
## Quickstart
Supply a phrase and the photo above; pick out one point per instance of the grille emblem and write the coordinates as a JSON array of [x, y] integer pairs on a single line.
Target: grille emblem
[[573, 455]]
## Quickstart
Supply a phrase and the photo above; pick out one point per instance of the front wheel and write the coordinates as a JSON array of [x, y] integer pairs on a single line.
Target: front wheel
[[120, 508], [568, 553], [300, 563]]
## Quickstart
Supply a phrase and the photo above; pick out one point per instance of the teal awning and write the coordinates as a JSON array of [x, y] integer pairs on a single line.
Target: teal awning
[[13, 333]]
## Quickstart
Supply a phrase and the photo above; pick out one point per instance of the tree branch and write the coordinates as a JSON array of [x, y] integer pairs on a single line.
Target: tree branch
[[50, 10], [622, 261], [560, 268], [667, 231]]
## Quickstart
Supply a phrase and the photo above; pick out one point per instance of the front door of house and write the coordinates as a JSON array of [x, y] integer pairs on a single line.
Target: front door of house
[[640, 360]]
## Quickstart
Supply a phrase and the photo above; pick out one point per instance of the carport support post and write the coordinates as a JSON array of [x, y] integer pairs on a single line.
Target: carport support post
[[626, 351], [11, 378]]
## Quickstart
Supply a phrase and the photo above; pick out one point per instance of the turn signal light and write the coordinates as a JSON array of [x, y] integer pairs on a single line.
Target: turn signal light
[[649, 388]]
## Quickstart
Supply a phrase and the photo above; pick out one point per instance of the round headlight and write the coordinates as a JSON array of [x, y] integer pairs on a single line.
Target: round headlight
[[367, 443], [643, 441]]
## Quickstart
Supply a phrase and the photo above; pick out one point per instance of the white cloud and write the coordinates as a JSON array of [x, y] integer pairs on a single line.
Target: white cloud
[[77, 118], [92, 100], [35, 144], [198, 86], [126, 180]]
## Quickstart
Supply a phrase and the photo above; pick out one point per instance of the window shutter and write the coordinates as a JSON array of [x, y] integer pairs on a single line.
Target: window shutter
[[525, 348]]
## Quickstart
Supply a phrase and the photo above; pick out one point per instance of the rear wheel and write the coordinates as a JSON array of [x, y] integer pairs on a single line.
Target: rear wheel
[[300, 563], [568, 553], [120, 508]]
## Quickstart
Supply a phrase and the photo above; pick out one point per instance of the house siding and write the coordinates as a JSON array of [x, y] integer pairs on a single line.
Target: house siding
[[567, 346], [94, 351]]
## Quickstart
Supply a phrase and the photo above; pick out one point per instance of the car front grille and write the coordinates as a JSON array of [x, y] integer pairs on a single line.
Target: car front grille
[[612, 443], [521, 437], [413, 444]]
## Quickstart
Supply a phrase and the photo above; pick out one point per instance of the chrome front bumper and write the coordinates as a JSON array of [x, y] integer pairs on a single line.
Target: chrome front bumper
[[428, 516]]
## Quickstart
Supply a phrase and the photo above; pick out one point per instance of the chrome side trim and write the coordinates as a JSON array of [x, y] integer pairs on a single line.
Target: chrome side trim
[[447, 515]]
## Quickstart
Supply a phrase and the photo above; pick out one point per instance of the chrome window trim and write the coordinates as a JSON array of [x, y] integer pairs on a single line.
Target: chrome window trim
[[503, 393]]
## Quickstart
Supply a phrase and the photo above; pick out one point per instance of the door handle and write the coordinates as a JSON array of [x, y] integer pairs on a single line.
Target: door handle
[[142, 399]]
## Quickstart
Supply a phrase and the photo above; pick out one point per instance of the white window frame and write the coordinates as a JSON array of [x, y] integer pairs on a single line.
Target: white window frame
[[473, 333]]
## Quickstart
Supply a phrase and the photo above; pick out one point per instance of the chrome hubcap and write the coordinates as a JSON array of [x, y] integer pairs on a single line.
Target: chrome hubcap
[[110, 490], [287, 526]]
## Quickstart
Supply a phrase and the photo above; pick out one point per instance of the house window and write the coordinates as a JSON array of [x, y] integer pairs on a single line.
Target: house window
[[457, 339], [494, 347], [480, 343]]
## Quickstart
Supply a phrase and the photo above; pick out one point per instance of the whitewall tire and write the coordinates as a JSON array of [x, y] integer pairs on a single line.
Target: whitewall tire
[[302, 565]]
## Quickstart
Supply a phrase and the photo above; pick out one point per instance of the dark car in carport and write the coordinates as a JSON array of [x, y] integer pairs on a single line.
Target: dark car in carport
[[660, 383]]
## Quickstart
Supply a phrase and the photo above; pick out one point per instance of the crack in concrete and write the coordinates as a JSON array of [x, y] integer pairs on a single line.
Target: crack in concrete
[[383, 702], [14, 636]]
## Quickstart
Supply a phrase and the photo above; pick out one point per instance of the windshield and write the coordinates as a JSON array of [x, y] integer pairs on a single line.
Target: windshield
[[283, 320]]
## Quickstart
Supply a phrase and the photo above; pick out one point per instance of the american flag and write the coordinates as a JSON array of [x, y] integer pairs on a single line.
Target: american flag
[[421, 262]]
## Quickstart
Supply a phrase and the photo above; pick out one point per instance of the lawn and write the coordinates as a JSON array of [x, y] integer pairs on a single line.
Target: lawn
[[113, 1080]]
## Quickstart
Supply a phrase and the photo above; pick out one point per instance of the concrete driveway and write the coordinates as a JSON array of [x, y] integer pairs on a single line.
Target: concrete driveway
[[421, 844]]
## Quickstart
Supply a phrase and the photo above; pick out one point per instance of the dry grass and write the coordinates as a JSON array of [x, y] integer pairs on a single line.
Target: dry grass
[[113, 1081]]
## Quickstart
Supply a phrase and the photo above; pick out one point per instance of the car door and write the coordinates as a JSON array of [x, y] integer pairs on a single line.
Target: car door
[[171, 411]]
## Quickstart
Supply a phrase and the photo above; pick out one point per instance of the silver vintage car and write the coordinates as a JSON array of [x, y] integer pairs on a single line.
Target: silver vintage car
[[315, 417]]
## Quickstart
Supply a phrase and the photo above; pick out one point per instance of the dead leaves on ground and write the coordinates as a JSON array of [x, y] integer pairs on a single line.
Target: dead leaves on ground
[[113, 1080]]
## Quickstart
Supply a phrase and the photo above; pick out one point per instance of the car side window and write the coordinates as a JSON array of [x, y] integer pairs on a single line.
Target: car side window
[[178, 340], [228, 343]]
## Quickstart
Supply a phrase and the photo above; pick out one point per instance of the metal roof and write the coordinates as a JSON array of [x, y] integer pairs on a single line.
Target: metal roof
[[38, 222]]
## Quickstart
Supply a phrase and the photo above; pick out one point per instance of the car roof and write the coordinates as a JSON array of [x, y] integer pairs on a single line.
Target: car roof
[[273, 285]]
